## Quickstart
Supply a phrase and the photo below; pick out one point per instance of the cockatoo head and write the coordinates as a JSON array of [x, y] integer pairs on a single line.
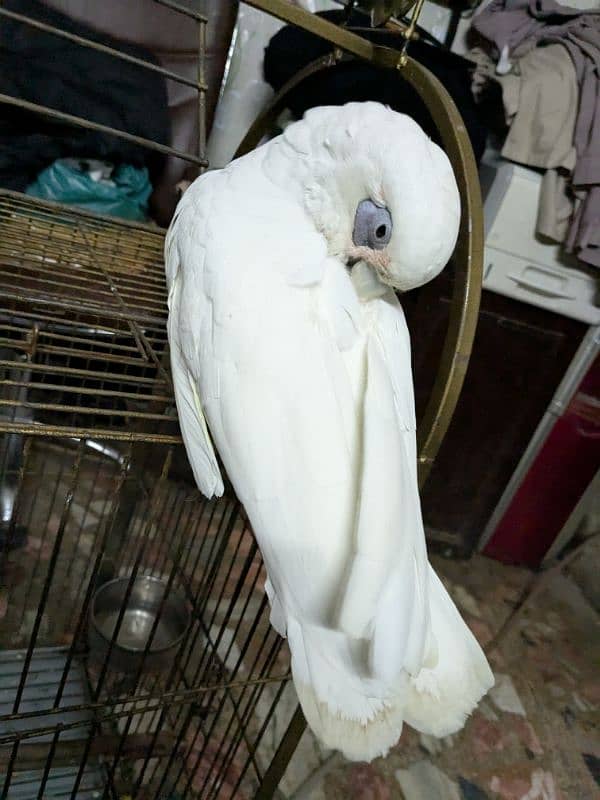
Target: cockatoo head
[[378, 189]]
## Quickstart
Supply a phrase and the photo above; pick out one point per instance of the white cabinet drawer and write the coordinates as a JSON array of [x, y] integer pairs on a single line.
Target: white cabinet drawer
[[560, 289]]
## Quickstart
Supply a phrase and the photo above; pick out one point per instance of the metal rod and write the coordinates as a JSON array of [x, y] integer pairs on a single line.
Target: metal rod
[[218, 560], [171, 527], [73, 283], [238, 587], [170, 678], [410, 32], [171, 759], [233, 601], [59, 211], [188, 12], [92, 45], [93, 339], [255, 697], [587, 351], [149, 753], [9, 771], [193, 522], [95, 309], [50, 752], [201, 92], [255, 694], [340, 37], [48, 580], [147, 647], [217, 715], [135, 332], [119, 622], [283, 754], [81, 122], [65, 432], [83, 762], [80, 373], [18, 495], [161, 718], [45, 535], [106, 412], [212, 506], [21, 240], [83, 278], [235, 595], [75, 352], [59, 323], [164, 699], [242, 616], [194, 596], [82, 619], [226, 696], [211, 569], [31, 756], [81, 390]]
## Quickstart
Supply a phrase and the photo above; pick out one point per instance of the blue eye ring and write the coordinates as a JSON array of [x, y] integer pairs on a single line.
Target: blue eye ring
[[372, 225]]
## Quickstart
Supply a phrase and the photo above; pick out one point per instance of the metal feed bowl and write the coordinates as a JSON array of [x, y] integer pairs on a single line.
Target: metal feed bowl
[[149, 630]]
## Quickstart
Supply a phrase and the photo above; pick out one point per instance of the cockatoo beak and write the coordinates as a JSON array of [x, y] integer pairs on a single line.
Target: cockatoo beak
[[378, 260], [369, 272]]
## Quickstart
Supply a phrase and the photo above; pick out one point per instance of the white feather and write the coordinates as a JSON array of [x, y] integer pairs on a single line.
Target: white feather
[[191, 417], [306, 386]]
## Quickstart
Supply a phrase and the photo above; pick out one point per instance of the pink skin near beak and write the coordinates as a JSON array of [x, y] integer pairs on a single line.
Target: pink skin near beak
[[379, 260]]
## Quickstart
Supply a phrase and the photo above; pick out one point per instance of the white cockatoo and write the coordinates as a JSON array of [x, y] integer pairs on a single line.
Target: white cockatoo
[[287, 338]]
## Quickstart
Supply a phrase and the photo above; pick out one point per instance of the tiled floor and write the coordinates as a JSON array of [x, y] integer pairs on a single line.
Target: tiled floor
[[536, 735]]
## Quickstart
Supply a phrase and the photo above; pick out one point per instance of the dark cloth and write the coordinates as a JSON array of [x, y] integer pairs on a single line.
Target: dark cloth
[[291, 49], [521, 25], [46, 69], [173, 38]]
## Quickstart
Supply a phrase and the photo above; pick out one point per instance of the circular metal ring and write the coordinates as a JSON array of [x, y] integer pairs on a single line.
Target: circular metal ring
[[468, 253]]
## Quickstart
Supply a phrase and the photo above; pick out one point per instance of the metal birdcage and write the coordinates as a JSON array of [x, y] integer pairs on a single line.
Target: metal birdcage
[[97, 516], [136, 655]]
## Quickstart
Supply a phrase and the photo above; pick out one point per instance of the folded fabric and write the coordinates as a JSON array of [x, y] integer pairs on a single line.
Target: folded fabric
[[523, 32], [543, 101], [519, 25], [120, 192], [540, 98]]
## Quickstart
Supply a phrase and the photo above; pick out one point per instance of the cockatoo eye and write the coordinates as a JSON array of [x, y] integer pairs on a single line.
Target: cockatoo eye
[[372, 226]]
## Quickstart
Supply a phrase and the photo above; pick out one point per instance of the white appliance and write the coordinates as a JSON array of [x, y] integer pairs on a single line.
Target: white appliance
[[517, 263]]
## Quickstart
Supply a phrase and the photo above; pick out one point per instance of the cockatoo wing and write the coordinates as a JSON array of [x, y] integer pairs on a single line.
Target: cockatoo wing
[[387, 583], [194, 430]]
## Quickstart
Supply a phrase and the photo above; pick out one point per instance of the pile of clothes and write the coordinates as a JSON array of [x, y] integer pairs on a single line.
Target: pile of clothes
[[545, 57]]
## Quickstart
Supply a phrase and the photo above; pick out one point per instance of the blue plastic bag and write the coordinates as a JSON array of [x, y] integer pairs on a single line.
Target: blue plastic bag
[[119, 192]]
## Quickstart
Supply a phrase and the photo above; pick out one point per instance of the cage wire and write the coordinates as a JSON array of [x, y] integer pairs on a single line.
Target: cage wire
[[136, 655]]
